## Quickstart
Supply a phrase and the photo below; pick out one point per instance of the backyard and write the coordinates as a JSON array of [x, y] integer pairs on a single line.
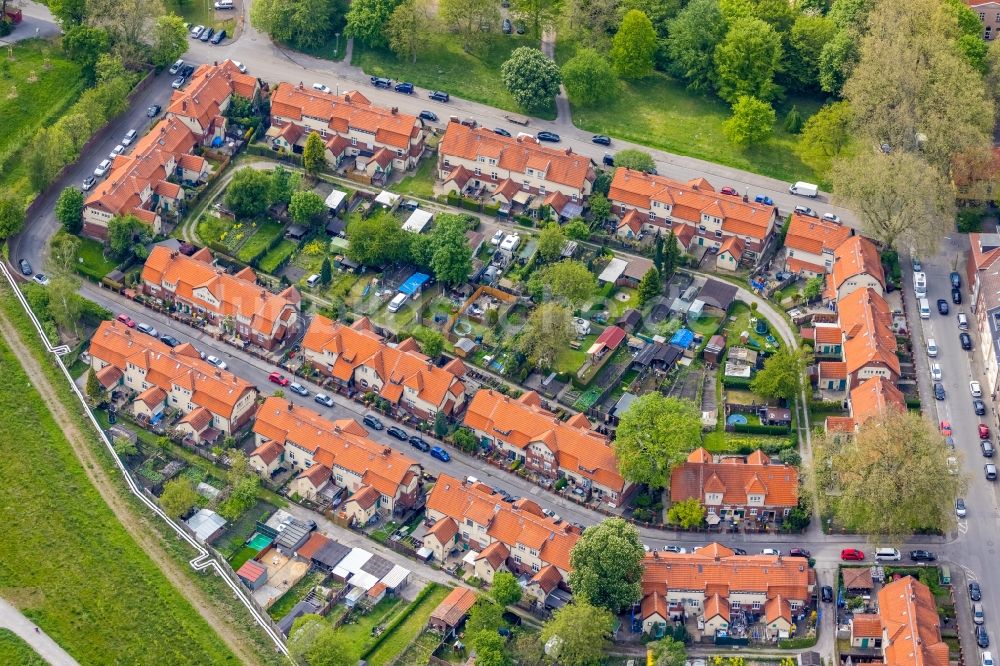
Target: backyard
[[266, 232], [93, 263], [408, 630], [281, 607], [421, 182]]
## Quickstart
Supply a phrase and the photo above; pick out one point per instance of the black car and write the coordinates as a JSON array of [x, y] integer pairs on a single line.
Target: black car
[[26, 267], [799, 552], [982, 636], [169, 340], [406, 88], [922, 556], [956, 296], [938, 391], [152, 111], [827, 594], [966, 341], [207, 35], [439, 96], [428, 115], [601, 139], [739, 551], [187, 70], [548, 136], [219, 36], [975, 592], [608, 160], [507, 497], [988, 450], [501, 131], [956, 280], [372, 422], [398, 433], [979, 406], [942, 306], [381, 82], [419, 443]]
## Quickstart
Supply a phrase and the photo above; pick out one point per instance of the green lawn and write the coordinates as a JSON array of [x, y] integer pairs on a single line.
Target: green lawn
[[294, 595], [273, 259], [202, 12], [660, 112], [359, 634], [444, 65], [705, 325], [13, 650], [242, 555], [739, 321], [569, 359], [211, 228], [73, 568], [94, 264], [421, 182], [266, 232], [408, 630]]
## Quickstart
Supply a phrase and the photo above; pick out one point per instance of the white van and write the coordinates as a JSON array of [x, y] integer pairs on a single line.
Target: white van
[[224, 4], [920, 284], [931, 348], [887, 554], [313, 280], [804, 189], [963, 321], [925, 308], [397, 302]]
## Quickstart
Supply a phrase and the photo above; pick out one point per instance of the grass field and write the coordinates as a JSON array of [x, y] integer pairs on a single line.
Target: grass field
[[202, 12], [266, 232], [74, 569], [444, 65], [94, 263], [421, 182], [13, 650], [294, 595], [273, 259], [408, 630]]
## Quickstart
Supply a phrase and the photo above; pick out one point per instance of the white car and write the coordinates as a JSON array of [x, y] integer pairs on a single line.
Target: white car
[[240, 66], [976, 389], [102, 169], [771, 551], [936, 372], [497, 237], [130, 137], [831, 217], [176, 67], [217, 362], [987, 657], [41, 278], [322, 87], [116, 151]]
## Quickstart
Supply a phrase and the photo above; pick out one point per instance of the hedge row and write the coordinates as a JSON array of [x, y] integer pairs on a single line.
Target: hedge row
[[753, 429], [736, 382], [264, 151]]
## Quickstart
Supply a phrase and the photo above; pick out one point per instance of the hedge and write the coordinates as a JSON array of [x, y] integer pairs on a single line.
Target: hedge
[[753, 429], [399, 619], [797, 643], [263, 151], [524, 220], [736, 382], [825, 406]]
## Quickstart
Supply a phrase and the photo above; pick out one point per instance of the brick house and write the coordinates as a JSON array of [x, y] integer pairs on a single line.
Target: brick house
[[988, 12], [202, 103], [869, 342]]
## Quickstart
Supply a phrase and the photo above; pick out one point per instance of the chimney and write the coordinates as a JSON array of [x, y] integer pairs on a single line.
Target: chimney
[[300, 85], [386, 451], [569, 151], [395, 110]]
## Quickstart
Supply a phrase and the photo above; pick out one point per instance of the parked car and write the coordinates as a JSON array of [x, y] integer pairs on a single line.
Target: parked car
[[729, 191], [439, 96], [936, 372], [41, 278], [551, 137], [88, 183], [975, 592], [217, 362], [938, 391], [922, 556], [295, 387], [990, 470], [738, 551], [240, 66], [398, 433], [130, 136], [956, 296], [963, 321], [405, 88], [207, 35], [942, 306], [826, 594], [982, 637], [440, 454], [987, 448], [956, 280], [978, 616], [196, 31], [980, 407], [852, 555], [372, 421], [323, 399], [380, 82], [763, 199], [799, 552], [987, 656], [125, 319], [219, 36], [152, 111], [322, 87], [945, 428], [960, 508], [169, 340], [116, 151], [806, 210], [831, 217], [148, 329], [176, 67], [187, 71], [178, 83], [965, 340], [278, 378], [601, 139], [975, 389], [984, 431], [419, 443], [501, 131], [608, 159], [102, 169], [428, 115], [771, 551]]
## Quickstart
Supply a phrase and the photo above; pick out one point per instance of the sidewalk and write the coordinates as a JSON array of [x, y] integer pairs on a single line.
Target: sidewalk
[[48, 649]]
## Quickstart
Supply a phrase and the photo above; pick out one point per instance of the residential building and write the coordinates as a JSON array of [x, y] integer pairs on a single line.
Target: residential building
[[362, 507], [873, 398], [511, 170], [185, 382], [866, 631], [869, 342], [344, 449], [267, 458], [452, 610], [712, 583], [533, 541], [988, 12], [195, 286], [810, 244], [526, 431], [730, 254], [911, 627], [359, 359], [147, 182], [983, 275], [664, 204], [856, 265], [202, 103], [379, 140], [491, 560], [740, 487]]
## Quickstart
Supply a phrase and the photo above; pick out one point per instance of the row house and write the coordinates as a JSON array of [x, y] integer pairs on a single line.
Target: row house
[[197, 287], [511, 170], [359, 359], [201, 104], [906, 628], [518, 537], [856, 265], [662, 204], [988, 12], [336, 454], [869, 342], [171, 378], [147, 182], [713, 584], [379, 139], [810, 244], [571, 449], [741, 487], [983, 278]]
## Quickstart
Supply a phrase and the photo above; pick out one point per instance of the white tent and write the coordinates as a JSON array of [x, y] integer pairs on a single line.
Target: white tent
[[418, 221]]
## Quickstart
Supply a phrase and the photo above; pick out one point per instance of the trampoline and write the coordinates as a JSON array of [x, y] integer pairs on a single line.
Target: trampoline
[[736, 419], [259, 541], [414, 283], [462, 327]]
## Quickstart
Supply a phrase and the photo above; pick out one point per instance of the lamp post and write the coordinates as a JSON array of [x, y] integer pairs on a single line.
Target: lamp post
[[336, 47]]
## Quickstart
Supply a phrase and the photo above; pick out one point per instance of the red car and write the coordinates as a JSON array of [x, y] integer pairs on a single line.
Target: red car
[[125, 319], [852, 554], [277, 378], [984, 431], [730, 191], [946, 428]]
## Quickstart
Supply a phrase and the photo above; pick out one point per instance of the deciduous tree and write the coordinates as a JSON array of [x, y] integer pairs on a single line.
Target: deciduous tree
[[65, 305], [377, 240], [548, 330], [124, 233], [83, 45], [637, 160], [485, 616], [687, 513], [578, 229], [314, 640], [431, 342], [607, 565], [126, 21], [69, 209], [589, 78], [692, 38], [451, 259], [409, 29], [538, 15], [468, 18], [11, 214], [826, 133], [600, 210], [595, 21], [568, 280], [308, 208], [490, 649], [654, 435], [634, 46], [783, 374], [94, 389], [668, 652], [578, 634], [747, 60], [752, 122], [550, 242], [170, 40], [777, 13], [650, 286], [69, 12], [505, 590], [367, 19], [304, 23], [283, 184], [248, 193], [178, 496], [810, 33], [314, 154], [531, 78]]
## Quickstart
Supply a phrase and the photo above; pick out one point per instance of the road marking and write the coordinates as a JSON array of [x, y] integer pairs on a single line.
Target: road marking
[[969, 573], [963, 526]]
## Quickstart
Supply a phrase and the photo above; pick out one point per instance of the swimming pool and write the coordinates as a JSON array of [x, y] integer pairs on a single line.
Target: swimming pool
[[736, 419], [259, 541]]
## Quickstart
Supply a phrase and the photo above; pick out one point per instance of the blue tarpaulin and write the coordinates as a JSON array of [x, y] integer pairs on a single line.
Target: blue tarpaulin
[[682, 338], [414, 283]]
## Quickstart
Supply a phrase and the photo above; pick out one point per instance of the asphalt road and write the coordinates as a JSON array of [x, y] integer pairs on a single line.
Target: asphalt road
[[48, 649]]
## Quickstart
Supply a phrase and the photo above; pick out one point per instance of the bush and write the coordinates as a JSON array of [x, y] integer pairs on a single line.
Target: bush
[[825, 406], [561, 483], [797, 643], [753, 429], [969, 219]]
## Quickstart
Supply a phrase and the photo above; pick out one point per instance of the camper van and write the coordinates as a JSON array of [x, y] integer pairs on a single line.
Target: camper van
[[397, 302], [920, 284], [804, 189]]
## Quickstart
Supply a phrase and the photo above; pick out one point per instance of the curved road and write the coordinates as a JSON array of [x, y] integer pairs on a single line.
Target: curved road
[[48, 649]]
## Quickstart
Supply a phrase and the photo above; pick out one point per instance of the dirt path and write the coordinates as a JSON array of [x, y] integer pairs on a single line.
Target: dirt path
[[136, 525]]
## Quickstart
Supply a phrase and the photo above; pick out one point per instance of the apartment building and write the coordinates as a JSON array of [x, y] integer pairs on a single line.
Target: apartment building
[[202, 103], [810, 244], [856, 265]]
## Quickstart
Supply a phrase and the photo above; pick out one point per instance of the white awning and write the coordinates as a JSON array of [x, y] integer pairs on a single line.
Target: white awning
[[470, 558], [522, 197], [396, 577], [352, 563]]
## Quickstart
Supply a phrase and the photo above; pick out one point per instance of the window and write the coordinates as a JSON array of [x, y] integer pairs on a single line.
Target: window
[[493, 175], [479, 171], [354, 141], [982, 16], [446, 162], [517, 558], [753, 512], [527, 183], [718, 233], [701, 228], [399, 153], [652, 215], [755, 605], [535, 567], [541, 189]]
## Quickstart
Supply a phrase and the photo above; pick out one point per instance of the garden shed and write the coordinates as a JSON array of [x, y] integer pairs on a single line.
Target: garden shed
[[337, 201], [206, 524], [713, 350], [418, 221], [296, 232]]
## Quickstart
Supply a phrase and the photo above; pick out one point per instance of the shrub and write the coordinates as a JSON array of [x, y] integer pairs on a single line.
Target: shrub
[[561, 483], [754, 429]]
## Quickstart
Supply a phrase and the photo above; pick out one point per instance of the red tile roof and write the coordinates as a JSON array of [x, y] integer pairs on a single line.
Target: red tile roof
[[315, 544], [365, 497], [832, 370], [866, 625], [251, 571], [911, 625], [814, 235], [856, 256], [455, 606], [839, 424], [198, 419], [208, 91], [734, 246], [444, 530], [269, 451], [316, 474], [496, 554], [866, 320], [547, 578], [735, 477], [873, 398]]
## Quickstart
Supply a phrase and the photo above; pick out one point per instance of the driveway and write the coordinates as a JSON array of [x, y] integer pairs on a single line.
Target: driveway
[[48, 649], [36, 21]]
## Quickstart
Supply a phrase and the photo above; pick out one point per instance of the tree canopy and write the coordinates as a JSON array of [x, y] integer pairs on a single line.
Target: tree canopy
[[568, 280], [747, 60], [654, 435], [178, 496], [692, 38], [637, 160], [303, 23], [752, 121], [607, 565], [69, 209], [578, 634], [588, 77], [377, 240], [548, 331], [505, 590], [531, 78], [367, 19], [248, 193], [783, 374], [308, 208], [634, 46], [550, 242]]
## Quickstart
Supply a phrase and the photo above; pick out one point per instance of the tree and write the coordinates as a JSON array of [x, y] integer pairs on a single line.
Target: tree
[[526, 650], [83, 45], [600, 210], [650, 286], [78, 128], [900, 198], [634, 46], [309, 209], [367, 19], [409, 28], [826, 133], [975, 51], [284, 183], [11, 214], [810, 33], [248, 193], [579, 634], [506, 590], [440, 425], [595, 21], [660, 13], [793, 120], [672, 255], [607, 565], [813, 288], [692, 38], [776, 13], [531, 78], [687, 513], [452, 256], [126, 22], [314, 640], [468, 17], [178, 496], [314, 154], [548, 330], [568, 280], [69, 209], [634, 159], [170, 40], [94, 389], [588, 77], [490, 649], [747, 60], [889, 479], [550, 242], [431, 342], [539, 15], [325, 272], [992, 76], [783, 374], [47, 153], [124, 233], [309, 24], [242, 496], [752, 122], [654, 435], [65, 306], [69, 12], [668, 652], [377, 240], [578, 229], [484, 617]]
